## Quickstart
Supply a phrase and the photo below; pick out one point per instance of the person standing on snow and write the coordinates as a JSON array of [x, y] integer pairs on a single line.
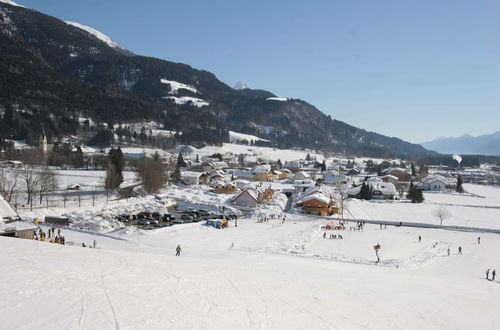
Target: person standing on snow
[[178, 251], [487, 274], [479, 240], [493, 273], [459, 250], [449, 252], [419, 238]]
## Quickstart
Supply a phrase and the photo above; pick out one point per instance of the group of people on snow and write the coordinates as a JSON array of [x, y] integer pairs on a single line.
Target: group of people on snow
[[51, 235]]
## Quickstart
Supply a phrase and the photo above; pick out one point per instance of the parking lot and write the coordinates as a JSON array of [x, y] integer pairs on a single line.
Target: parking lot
[[152, 220]]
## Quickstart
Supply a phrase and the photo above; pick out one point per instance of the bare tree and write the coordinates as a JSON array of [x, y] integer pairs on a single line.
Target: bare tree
[[441, 213], [9, 181], [48, 182], [152, 174], [30, 174]]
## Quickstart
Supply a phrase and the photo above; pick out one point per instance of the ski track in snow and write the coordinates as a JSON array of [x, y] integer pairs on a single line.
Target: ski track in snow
[[83, 311]]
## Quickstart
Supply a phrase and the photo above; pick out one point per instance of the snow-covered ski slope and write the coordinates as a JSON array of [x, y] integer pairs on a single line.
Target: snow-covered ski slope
[[277, 276]]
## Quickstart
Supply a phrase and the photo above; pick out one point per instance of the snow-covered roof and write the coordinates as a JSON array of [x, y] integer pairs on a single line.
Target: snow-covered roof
[[386, 188], [15, 226], [318, 197], [241, 181], [391, 177], [243, 174], [6, 210], [262, 169], [391, 170], [301, 174], [191, 174], [335, 178], [250, 191], [310, 191], [353, 191]]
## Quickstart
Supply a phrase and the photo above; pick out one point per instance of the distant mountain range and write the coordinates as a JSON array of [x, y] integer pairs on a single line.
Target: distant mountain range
[[488, 144], [66, 78]]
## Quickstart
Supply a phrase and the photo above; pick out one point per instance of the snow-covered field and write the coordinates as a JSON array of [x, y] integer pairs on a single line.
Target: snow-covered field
[[134, 281], [479, 207], [274, 275]]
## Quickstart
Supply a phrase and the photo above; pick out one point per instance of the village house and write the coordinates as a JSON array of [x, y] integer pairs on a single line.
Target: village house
[[434, 183], [247, 198], [292, 166], [252, 197], [263, 173], [390, 178], [383, 190], [18, 230], [335, 179], [225, 188], [301, 175], [243, 174], [379, 189], [400, 173], [318, 204], [191, 177], [353, 171], [301, 185]]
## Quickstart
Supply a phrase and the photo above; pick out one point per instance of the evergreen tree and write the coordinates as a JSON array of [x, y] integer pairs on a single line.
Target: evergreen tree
[[197, 158], [323, 166], [415, 194], [115, 157], [156, 156], [279, 164], [78, 157], [365, 192], [175, 176], [308, 157], [413, 171], [180, 161], [460, 188]]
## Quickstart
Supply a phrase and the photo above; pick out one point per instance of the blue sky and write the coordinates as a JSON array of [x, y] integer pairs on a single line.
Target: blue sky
[[412, 69]]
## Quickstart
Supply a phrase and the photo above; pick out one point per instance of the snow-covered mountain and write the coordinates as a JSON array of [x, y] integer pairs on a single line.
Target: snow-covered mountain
[[488, 144], [12, 3], [241, 85], [96, 33]]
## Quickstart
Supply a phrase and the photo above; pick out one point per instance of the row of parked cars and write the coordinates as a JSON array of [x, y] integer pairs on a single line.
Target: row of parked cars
[[191, 215], [146, 218], [163, 220]]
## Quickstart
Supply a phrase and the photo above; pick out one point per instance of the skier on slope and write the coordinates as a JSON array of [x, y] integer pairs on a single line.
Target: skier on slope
[[419, 238], [493, 273], [178, 250], [487, 274]]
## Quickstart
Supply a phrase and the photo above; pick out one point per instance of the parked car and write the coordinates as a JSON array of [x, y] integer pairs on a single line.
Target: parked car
[[143, 221], [167, 217], [186, 216], [153, 221]]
